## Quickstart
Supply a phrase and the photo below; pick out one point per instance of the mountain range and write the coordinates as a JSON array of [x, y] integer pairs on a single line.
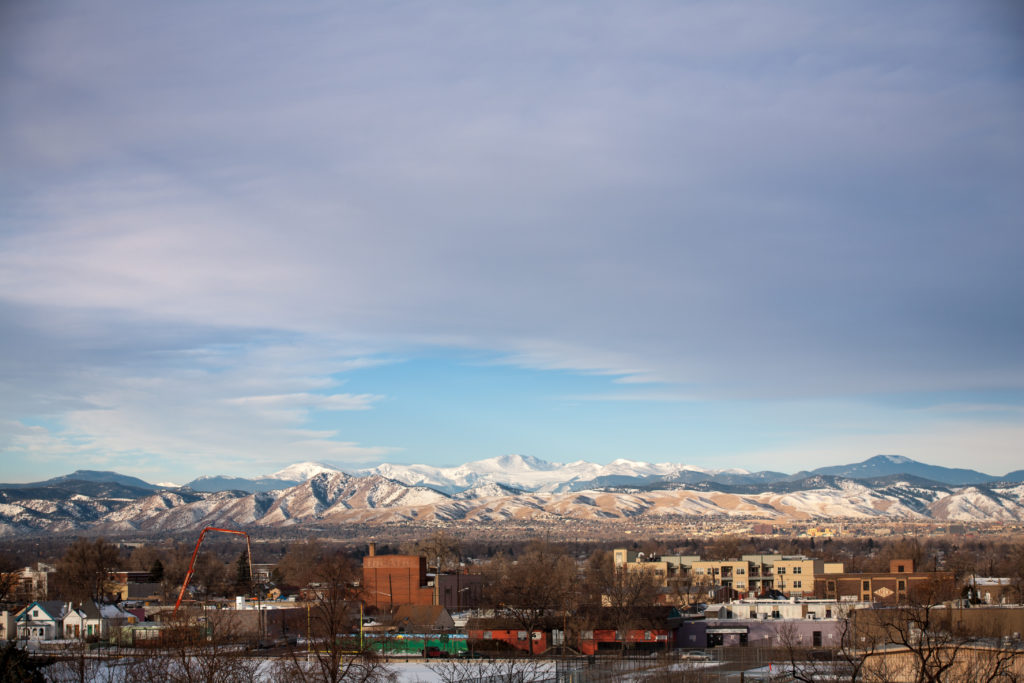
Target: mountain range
[[527, 473], [508, 487]]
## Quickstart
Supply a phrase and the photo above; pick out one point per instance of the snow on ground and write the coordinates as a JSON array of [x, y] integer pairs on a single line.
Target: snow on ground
[[421, 671]]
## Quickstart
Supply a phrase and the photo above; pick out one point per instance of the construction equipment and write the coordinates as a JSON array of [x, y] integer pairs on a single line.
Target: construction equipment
[[192, 562]]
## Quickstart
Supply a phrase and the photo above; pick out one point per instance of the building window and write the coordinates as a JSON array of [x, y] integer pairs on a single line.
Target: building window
[[831, 586], [797, 584], [816, 638], [741, 570], [780, 571], [901, 585], [866, 585], [798, 570], [899, 568]]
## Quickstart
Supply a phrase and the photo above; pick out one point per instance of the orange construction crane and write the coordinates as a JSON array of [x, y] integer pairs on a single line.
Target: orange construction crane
[[192, 562]]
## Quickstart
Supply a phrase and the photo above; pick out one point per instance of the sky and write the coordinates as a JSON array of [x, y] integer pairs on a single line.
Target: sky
[[236, 236]]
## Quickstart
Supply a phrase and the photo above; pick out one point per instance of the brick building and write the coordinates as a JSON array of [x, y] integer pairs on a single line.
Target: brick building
[[392, 580], [900, 584]]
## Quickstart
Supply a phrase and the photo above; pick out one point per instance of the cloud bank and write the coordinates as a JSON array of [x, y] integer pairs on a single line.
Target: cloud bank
[[738, 201]]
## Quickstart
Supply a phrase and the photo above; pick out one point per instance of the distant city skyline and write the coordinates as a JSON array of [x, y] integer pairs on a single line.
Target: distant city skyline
[[233, 238]]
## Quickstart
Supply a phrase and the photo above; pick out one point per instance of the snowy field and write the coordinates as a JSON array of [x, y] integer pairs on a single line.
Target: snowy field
[[408, 671]]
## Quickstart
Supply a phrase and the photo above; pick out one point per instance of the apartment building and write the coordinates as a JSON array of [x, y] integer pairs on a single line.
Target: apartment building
[[662, 569], [793, 575]]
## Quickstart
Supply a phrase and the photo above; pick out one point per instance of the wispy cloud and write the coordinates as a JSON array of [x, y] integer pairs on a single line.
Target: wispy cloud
[[721, 200]]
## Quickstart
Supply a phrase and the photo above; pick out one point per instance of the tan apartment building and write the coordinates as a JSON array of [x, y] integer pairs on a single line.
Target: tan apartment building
[[793, 575], [662, 568]]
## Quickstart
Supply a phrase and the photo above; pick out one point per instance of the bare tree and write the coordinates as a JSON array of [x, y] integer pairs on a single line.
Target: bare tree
[[1016, 574], [922, 626], [143, 557], [685, 589], [334, 652], [680, 672], [533, 589], [212, 576], [439, 548], [83, 571], [509, 669], [9, 576], [849, 654], [17, 665], [624, 592], [76, 664], [300, 563], [199, 647]]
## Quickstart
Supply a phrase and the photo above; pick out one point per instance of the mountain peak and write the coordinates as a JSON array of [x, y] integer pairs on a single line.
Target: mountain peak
[[302, 471], [895, 459], [514, 461]]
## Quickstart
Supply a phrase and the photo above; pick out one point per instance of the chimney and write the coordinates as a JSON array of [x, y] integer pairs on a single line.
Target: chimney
[[373, 548]]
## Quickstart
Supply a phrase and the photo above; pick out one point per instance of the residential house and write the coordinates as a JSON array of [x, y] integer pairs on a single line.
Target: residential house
[[42, 620], [92, 620]]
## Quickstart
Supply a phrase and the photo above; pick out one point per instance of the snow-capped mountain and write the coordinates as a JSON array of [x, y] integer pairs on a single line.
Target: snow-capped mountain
[[484, 491], [533, 474], [282, 479], [528, 473], [302, 471]]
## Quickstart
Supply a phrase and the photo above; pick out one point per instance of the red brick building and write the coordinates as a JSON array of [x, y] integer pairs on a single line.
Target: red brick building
[[515, 637], [899, 585], [392, 580]]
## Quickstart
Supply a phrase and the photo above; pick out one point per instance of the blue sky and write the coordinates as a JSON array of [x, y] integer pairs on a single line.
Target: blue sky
[[729, 234]]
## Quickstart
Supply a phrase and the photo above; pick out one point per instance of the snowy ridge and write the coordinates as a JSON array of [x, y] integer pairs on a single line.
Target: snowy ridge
[[302, 471], [340, 498], [532, 474], [510, 487]]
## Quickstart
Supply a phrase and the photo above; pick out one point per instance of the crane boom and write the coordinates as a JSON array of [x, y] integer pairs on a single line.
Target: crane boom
[[192, 562]]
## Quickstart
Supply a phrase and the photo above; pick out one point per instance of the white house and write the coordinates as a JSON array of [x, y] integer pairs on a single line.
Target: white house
[[42, 620], [90, 620]]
